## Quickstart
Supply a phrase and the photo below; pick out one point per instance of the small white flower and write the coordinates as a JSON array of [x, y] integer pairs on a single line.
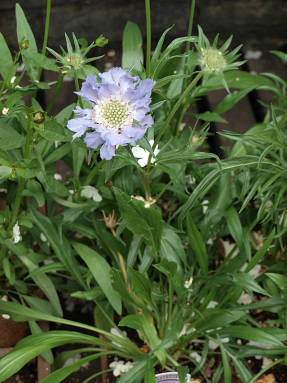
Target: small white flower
[[116, 332], [266, 362], [90, 192], [72, 360], [186, 330], [254, 273], [228, 248], [58, 177], [147, 202], [245, 299], [143, 154], [188, 283], [16, 233], [120, 367], [43, 238], [13, 79], [57, 143], [212, 344], [71, 191], [190, 180], [195, 355], [205, 205], [5, 299], [3, 190], [20, 68], [5, 111], [18, 87], [211, 305]]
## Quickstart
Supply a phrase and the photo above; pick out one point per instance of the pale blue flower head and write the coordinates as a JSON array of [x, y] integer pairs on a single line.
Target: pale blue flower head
[[120, 113]]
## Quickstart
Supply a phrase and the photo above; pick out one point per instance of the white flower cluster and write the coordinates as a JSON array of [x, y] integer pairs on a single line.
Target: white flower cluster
[[16, 233], [90, 192], [120, 367], [143, 154]]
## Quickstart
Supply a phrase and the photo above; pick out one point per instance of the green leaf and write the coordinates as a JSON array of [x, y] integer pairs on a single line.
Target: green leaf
[[42, 281], [5, 172], [226, 364], [58, 153], [140, 220], [36, 329], [210, 116], [251, 333], [245, 281], [33, 189], [279, 279], [157, 50], [6, 60], [78, 158], [182, 373], [60, 374], [231, 99], [24, 32], [261, 252], [171, 247], [132, 57], [41, 61], [101, 271], [10, 138], [60, 245], [53, 131], [149, 373], [34, 345], [197, 243]]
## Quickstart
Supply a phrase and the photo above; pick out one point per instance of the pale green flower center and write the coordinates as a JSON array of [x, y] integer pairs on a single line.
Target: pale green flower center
[[74, 60], [214, 60], [114, 113]]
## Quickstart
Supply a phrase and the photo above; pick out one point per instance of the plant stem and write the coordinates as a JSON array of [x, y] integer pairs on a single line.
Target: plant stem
[[55, 93], [261, 372], [77, 86], [21, 183], [47, 25], [92, 173], [148, 36], [190, 24], [46, 33], [174, 109]]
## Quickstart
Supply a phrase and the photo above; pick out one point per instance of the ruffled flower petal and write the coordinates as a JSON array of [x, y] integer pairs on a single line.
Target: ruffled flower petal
[[120, 113]]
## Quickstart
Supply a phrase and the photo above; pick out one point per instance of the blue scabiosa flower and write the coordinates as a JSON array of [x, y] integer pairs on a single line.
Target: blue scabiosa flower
[[120, 113]]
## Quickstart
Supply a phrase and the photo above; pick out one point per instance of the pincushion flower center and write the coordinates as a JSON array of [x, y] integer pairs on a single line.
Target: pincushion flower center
[[214, 59], [114, 113]]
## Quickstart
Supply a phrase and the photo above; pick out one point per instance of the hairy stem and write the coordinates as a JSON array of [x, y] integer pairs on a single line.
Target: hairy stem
[[55, 93]]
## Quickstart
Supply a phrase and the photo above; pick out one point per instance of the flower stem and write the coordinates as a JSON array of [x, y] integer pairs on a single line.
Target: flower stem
[[46, 33], [174, 110], [21, 183], [77, 86], [261, 372], [55, 93], [148, 36], [190, 24], [92, 173]]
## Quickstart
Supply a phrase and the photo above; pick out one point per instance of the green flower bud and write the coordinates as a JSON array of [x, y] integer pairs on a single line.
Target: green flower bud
[[101, 41]]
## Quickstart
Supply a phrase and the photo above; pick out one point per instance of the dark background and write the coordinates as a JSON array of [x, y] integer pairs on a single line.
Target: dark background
[[260, 23]]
